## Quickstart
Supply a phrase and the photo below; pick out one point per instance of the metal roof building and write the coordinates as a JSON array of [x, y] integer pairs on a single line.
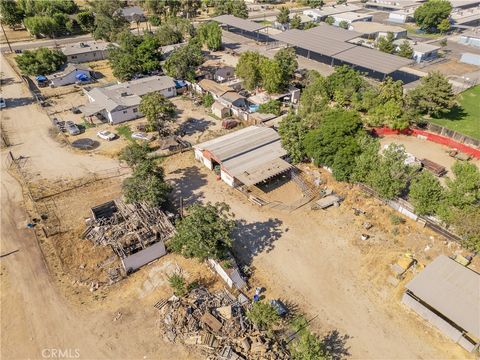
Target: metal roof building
[[248, 156], [447, 294], [329, 44], [245, 26]]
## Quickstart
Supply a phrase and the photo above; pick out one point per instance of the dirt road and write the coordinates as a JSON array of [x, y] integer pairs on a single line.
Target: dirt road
[[309, 258], [36, 320]]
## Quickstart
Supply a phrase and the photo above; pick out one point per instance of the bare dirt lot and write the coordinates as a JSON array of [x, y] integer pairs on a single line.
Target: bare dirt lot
[[316, 260]]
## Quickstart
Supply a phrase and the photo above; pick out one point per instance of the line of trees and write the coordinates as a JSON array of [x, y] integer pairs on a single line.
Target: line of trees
[[329, 129], [273, 75], [386, 44], [41, 61]]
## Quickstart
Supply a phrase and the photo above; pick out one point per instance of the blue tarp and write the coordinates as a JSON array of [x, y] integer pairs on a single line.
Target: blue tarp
[[180, 83], [41, 78], [82, 77]]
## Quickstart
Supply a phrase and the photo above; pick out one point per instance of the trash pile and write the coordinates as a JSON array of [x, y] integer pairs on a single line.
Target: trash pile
[[216, 324]]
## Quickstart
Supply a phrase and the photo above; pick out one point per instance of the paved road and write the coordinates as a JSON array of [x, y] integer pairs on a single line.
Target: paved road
[[25, 45]]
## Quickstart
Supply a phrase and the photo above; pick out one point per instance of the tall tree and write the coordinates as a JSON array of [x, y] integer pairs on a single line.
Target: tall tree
[[287, 61], [315, 96], [146, 184], [206, 232], [444, 25], [11, 14], [42, 61], [434, 96], [385, 43], [211, 35], [263, 315], [344, 24], [271, 75], [405, 50], [86, 20], [236, 8], [158, 110], [109, 21], [292, 132], [283, 17], [248, 69], [430, 14], [426, 193], [183, 62]]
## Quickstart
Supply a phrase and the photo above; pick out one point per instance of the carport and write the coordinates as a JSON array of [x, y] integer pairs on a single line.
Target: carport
[[245, 27]]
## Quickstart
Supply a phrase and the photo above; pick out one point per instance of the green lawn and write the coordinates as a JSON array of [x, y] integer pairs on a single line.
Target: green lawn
[[464, 119]]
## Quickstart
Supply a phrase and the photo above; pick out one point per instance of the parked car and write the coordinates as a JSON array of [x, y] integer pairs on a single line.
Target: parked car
[[141, 136], [72, 128], [106, 135], [3, 103], [59, 124], [75, 110]]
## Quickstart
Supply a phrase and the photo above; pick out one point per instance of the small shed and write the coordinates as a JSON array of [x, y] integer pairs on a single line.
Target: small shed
[[219, 110], [73, 73]]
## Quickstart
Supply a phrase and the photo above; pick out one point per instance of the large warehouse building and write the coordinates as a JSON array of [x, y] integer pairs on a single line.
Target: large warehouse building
[[329, 44], [245, 157], [447, 294]]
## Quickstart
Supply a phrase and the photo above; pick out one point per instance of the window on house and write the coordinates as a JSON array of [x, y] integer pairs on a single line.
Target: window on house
[[125, 111], [169, 89], [135, 110], [74, 56]]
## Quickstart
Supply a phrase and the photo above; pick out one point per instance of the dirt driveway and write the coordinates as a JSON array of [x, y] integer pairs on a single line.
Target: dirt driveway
[[311, 259]]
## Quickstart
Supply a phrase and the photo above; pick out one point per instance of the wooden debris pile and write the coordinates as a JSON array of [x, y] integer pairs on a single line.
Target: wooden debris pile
[[216, 324], [128, 228]]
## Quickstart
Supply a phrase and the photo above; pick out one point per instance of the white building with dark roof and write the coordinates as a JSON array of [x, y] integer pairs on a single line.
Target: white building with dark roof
[[119, 103], [421, 51], [86, 51], [71, 74]]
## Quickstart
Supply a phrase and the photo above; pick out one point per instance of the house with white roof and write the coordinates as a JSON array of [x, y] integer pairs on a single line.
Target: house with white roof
[[86, 51]]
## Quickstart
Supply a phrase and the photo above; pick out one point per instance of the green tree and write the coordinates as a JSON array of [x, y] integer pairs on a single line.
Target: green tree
[[292, 132], [86, 20], [236, 8], [168, 35], [310, 25], [134, 153], [426, 193], [263, 315], [467, 225], [444, 26], [43, 25], [287, 61], [206, 232], [464, 189], [296, 22], [208, 100], [183, 62], [335, 142], [211, 35], [391, 174], [283, 17], [146, 184], [109, 21], [330, 20], [271, 75], [11, 14], [405, 50], [434, 95], [366, 162], [343, 24], [345, 84], [178, 284], [430, 14], [155, 7], [158, 110], [248, 69], [385, 43], [270, 107], [307, 346], [315, 96], [42, 61], [134, 55], [313, 3]]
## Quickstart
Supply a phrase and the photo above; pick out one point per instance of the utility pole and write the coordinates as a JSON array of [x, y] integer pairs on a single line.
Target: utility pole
[[6, 38]]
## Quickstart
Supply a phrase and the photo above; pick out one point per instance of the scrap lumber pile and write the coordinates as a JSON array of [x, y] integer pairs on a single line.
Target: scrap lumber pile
[[128, 228], [216, 325]]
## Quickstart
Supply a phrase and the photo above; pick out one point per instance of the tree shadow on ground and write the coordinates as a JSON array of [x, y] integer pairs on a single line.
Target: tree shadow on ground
[[457, 113], [185, 186], [192, 126], [336, 345], [251, 239], [17, 102]]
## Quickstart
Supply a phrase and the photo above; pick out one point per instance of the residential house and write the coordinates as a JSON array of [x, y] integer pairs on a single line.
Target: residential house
[[86, 51], [373, 30], [71, 74], [351, 17], [120, 102], [224, 74], [219, 110], [321, 14], [133, 13]]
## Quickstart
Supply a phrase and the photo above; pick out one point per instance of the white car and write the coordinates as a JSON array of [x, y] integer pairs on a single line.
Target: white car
[[141, 136], [3, 103], [106, 135]]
